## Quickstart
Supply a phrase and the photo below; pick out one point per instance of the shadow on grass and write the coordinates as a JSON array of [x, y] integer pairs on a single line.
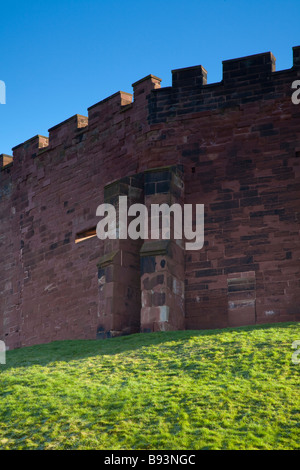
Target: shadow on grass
[[69, 350]]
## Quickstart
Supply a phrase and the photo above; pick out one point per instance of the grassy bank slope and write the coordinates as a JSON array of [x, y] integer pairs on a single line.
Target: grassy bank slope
[[214, 389]]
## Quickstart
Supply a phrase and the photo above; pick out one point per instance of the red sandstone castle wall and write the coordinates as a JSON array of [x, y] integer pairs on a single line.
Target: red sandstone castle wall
[[238, 142]]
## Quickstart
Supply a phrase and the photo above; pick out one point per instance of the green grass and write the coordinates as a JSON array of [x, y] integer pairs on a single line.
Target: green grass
[[235, 388]]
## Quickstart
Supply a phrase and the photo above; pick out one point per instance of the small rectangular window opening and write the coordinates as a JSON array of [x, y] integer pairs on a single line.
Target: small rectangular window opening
[[85, 234]]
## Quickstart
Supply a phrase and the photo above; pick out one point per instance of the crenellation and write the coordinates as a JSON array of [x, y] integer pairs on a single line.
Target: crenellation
[[63, 133], [296, 56], [189, 77], [143, 87], [254, 68], [103, 111], [30, 147], [5, 160]]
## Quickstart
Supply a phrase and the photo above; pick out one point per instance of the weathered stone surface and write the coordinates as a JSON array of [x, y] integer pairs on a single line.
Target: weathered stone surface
[[233, 146]]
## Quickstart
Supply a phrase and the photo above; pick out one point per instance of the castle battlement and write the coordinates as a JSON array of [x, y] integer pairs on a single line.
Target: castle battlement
[[239, 85], [232, 146]]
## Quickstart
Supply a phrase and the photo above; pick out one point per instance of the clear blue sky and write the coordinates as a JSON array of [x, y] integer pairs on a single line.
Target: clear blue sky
[[59, 57]]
